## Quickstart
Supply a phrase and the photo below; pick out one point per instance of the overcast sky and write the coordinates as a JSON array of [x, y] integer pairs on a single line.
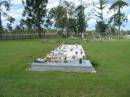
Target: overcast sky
[[17, 9]]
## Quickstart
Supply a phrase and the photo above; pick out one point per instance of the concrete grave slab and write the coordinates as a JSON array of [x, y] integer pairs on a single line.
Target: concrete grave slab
[[68, 58]]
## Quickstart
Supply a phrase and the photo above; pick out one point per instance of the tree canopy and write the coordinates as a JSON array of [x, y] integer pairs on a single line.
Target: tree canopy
[[35, 12], [101, 26], [6, 5], [119, 17]]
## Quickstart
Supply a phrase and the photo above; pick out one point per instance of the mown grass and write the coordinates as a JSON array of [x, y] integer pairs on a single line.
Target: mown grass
[[111, 60]]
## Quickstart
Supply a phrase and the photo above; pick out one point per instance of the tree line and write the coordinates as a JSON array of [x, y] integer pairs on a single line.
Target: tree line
[[67, 18]]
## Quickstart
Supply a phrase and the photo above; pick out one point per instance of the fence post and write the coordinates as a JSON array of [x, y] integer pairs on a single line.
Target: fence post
[[0, 36]]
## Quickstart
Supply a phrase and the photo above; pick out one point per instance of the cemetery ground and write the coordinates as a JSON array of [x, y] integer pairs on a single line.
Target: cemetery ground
[[111, 60]]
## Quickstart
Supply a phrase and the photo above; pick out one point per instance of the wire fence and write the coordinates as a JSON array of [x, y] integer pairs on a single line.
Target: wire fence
[[51, 36], [24, 36]]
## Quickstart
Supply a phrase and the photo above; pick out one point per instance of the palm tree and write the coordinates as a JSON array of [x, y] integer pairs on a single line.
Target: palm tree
[[118, 17]]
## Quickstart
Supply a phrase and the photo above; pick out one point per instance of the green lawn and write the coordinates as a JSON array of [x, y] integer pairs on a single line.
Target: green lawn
[[111, 59]]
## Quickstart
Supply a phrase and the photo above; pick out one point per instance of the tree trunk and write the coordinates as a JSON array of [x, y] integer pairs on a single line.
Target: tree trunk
[[0, 27], [119, 23], [39, 31], [82, 35], [119, 31], [38, 24], [1, 30]]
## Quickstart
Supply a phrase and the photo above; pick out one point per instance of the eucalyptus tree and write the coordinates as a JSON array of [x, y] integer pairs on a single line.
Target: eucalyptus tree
[[81, 22], [71, 17], [48, 23], [119, 17], [22, 24], [27, 23], [10, 20], [59, 15], [17, 29], [4, 6], [64, 16], [35, 12]]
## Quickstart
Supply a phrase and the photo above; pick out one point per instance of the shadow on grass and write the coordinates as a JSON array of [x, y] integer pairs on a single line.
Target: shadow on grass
[[94, 63]]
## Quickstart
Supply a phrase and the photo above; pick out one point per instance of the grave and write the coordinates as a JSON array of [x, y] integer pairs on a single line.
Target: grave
[[68, 58]]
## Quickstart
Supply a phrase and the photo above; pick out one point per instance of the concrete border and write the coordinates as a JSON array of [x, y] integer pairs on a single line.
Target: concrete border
[[86, 66]]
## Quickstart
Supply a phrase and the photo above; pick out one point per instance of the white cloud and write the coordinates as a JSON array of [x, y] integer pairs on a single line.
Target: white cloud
[[91, 24], [52, 3], [129, 18], [16, 2], [92, 21]]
